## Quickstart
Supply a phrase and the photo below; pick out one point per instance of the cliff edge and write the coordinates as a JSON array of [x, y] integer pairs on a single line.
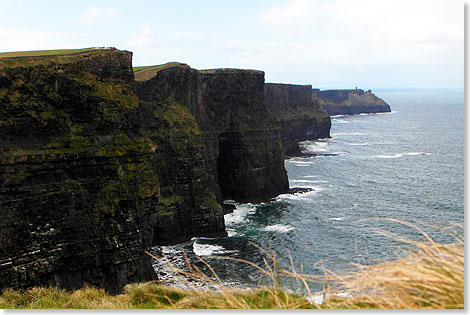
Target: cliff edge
[[242, 152], [351, 102], [77, 184], [96, 167], [298, 113]]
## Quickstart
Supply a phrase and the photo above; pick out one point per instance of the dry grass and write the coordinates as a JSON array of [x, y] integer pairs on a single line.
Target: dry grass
[[144, 73], [430, 276], [40, 53]]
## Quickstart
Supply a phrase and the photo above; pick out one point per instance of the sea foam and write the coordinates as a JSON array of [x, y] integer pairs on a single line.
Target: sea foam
[[280, 228], [209, 249], [399, 155], [239, 214]]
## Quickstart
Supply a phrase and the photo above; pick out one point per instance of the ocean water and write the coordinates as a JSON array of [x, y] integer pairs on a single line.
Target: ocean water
[[406, 165]]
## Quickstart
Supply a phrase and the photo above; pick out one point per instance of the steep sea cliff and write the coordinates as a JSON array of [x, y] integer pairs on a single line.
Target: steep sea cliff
[[350, 102], [97, 167], [298, 113]]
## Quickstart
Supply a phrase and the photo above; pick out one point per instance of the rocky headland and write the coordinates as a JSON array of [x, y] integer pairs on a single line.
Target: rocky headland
[[350, 102], [99, 163], [97, 166], [298, 114]]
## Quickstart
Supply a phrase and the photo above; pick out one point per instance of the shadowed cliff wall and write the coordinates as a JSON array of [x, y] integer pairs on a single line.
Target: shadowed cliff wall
[[243, 155], [77, 185], [95, 168], [297, 111]]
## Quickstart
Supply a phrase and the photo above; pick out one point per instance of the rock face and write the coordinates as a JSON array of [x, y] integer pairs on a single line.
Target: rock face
[[187, 206], [243, 155], [351, 102], [95, 168], [77, 185], [298, 113]]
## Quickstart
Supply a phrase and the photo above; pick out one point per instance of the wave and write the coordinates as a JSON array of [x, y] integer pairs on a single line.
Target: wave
[[239, 214], [348, 134], [281, 228], [209, 249], [336, 219], [301, 196], [399, 155], [301, 162], [314, 146], [231, 232], [341, 121], [308, 181], [358, 143], [417, 153]]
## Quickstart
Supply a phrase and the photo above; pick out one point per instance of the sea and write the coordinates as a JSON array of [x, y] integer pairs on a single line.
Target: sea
[[379, 178]]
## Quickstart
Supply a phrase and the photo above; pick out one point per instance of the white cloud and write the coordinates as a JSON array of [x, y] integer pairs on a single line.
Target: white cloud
[[371, 30], [93, 15], [13, 39], [143, 38]]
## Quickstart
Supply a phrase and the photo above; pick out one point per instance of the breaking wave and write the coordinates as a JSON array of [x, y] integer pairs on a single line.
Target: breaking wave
[[399, 155], [281, 228], [209, 249]]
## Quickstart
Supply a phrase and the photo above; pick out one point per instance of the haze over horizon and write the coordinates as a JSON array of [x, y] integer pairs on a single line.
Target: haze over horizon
[[326, 43]]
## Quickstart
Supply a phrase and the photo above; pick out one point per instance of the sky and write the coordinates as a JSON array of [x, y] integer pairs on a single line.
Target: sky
[[326, 43]]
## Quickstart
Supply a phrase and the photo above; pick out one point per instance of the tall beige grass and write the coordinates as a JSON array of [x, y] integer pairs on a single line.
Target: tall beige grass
[[431, 275]]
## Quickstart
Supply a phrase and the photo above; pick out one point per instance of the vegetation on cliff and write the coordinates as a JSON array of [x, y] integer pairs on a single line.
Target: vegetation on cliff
[[430, 276], [351, 102], [143, 73], [298, 114]]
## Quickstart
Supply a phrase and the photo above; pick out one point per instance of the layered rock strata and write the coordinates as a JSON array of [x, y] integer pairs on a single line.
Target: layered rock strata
[[244, 158], [91, 177], [77, 189], [351, 102], [298, 114], [95, 167]]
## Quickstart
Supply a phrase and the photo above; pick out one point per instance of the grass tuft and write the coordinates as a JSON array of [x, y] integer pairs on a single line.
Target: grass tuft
[[430, 276]]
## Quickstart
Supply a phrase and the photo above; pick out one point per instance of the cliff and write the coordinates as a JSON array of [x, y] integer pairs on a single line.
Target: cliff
[[77, 185], [96, 167], [188, 203], [91, 176], [298, 114], [242, 151], [351, 102]]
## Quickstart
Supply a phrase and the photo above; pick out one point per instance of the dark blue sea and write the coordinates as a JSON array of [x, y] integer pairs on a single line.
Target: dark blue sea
[[406, 165]]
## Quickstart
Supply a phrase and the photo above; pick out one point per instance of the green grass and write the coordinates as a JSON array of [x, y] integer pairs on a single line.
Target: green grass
[[430, 276], [143, 73], [38, 53]]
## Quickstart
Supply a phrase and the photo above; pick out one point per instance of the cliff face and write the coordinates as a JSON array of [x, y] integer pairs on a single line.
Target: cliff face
[[242, 151], [95, 167], [77, 185], [188, 205], [233, 113], [298, 113], [351, 102], [90, 176]]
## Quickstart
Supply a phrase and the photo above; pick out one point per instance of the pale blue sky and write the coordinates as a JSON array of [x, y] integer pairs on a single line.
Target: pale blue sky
[[326, 43]]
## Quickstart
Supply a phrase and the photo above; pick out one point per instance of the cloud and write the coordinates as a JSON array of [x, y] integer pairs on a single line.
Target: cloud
[[143, 38], [14, 39], [371, 30], [93, 15]]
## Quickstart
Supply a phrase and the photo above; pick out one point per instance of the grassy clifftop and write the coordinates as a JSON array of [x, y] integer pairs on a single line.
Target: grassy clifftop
[[143, 73], [430, 277], [56, 52]]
